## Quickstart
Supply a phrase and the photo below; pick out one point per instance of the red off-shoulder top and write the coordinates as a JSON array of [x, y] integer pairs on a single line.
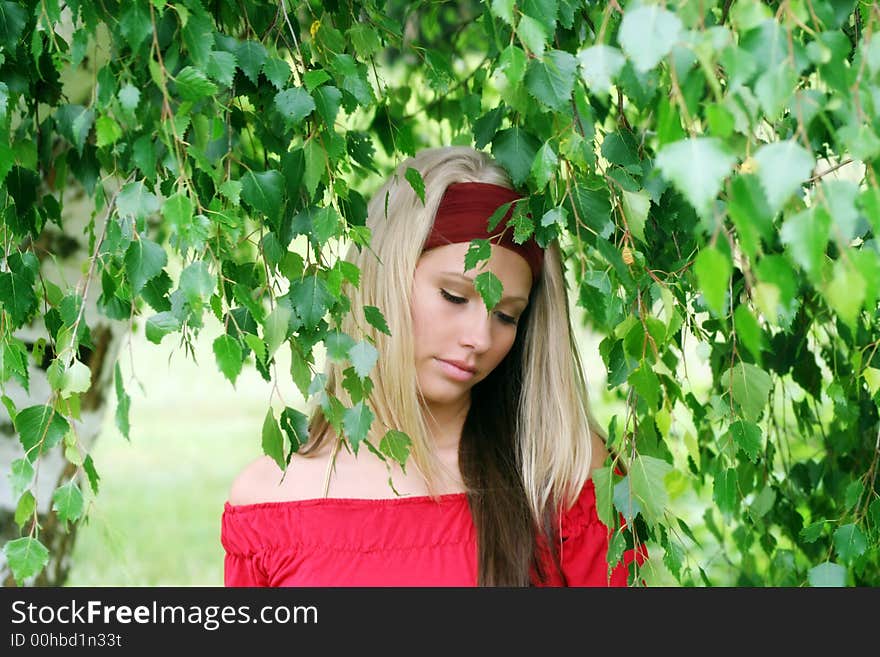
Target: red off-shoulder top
[[407, 541]]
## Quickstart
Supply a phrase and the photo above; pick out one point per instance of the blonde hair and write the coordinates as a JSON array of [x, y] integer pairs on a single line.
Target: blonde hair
[[553, 441]]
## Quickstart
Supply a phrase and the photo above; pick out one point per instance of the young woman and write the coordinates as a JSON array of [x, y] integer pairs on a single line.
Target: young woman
[[497, 489]]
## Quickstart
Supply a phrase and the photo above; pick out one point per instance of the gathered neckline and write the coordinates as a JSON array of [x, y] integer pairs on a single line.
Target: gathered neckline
[[353, 501], [350, 501]]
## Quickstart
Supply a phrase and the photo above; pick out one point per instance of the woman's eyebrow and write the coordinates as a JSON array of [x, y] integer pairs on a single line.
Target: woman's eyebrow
[[468, 279]]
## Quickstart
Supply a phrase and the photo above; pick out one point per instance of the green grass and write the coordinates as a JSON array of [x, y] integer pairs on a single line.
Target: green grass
[[156, 520]]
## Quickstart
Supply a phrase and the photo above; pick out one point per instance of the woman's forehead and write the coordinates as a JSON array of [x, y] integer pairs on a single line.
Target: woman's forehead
[[449, 260]]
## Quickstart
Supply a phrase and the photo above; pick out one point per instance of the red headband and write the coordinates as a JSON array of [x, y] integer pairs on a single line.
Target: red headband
[[463, 215]]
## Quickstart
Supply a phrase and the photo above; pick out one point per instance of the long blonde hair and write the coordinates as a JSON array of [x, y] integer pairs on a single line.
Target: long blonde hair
[[551, 439]]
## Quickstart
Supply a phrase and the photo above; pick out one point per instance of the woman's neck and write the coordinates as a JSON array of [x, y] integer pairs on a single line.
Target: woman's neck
[[445, 424]]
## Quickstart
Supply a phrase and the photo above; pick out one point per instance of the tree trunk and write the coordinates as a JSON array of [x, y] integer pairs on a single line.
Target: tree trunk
[[62, 255]]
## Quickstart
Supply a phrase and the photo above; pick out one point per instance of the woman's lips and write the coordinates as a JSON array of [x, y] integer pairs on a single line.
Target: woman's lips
[[455, 372]]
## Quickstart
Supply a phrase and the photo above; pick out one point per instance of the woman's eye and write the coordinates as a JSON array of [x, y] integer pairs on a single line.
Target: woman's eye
[[507, 319], [451, 298]]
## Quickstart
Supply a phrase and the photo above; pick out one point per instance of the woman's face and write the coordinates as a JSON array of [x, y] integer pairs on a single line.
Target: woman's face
[[450, 322]]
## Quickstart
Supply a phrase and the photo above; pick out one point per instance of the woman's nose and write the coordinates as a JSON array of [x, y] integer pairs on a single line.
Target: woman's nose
[[476, 330]]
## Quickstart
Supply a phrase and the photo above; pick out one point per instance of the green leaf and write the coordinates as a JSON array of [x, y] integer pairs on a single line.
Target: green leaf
[[135, 201], [396, 445], [327, 100], [338, 343], [107, 131], [316, 165], [263, 191], [550, 80], [123, 402], [277, 72], [603, 484], [13, 19], [376, 319], [17, 297], [365, 40], [315, 78], [160, 325], [294, 104], [24, 510], [646, 384], [296, 425], [251, 55], [75, 123], [231, 189], [489, 287], [748, 331], [68, 502], [811, 532], [697, 167], [129, 97], [544, 165], [20, 476], [356, 422], [414, 178], [600, 65], [228, 354], [486, 126], [713, 271], [26, 558], [806, 236], [311, 300], [354, 80], [748, 437], [77, 379], [846, 291], [363, 357], [775, 88], [276, 328], [523, 226], [198, 33], [827, 574], [299, 370], [724, 491], [196, 282], [635, 208], [89, 467], [532, 34], [782, 167], [273, 440], [624, 502], [850, 542], [40, 428], [144, 259], [178, 211], [751, 388], [478, 250], [515, 150], [193, 84], [135, 24], [221, 67], [647, 474], [512, 64], [257, 345], [762, 504], [503, 9], [647, 34]]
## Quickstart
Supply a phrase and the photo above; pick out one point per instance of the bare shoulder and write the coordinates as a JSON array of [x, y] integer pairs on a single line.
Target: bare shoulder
[[600, 452], [259, 481]]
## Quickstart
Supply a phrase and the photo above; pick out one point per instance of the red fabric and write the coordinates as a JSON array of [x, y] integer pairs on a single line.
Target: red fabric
[[463, 215], [411, 541]]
